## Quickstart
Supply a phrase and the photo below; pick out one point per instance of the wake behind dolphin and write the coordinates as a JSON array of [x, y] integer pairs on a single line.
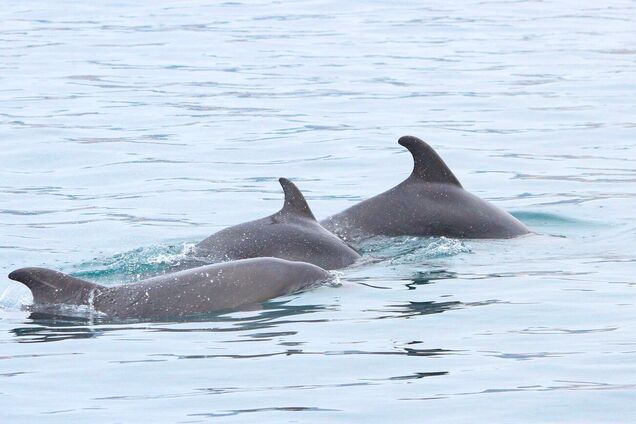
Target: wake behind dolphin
[[430, 202]]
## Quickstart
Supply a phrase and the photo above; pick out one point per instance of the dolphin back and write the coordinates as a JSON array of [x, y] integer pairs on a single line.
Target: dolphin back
[[52, 287], [292, 233]]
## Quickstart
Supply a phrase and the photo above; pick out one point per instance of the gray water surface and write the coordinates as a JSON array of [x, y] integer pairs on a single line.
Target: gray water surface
[[131, 130]]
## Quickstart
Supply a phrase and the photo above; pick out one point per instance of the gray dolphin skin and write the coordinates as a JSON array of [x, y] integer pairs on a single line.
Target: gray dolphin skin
[[217, 287], [291, 233], [430, 202]]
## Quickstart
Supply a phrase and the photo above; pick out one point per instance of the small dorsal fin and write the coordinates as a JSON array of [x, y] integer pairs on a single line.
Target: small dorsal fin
[[295, 203], [54, 287], [428, 165]]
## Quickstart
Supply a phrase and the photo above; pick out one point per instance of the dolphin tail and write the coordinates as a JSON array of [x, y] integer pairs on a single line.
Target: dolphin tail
[[295, 203], [52, 287]]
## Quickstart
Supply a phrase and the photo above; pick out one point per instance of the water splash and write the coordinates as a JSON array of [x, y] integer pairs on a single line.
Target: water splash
[[13, 296], [85, 312], [136, 264], [336, 279], [406, 249]]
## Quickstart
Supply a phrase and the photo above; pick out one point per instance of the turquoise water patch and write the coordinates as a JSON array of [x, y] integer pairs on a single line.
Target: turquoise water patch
[[539, 220], [136, 264]]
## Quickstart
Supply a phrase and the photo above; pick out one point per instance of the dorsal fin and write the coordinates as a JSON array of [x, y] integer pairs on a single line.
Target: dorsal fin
[[53, 287], [428, 165], [295, 203]]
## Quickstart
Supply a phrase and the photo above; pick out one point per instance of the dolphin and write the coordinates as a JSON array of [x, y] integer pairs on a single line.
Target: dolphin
[[293, 233], [430, 202], [218, 287]]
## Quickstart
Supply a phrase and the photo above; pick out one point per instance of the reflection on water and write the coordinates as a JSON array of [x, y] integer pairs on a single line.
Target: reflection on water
[[411, 309], [244, 411], [50, 327], [429, 277], [131, 132]]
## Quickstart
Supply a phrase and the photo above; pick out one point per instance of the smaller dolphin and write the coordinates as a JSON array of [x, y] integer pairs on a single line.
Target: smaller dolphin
[[218, 287], [430, 202], [291, 233]]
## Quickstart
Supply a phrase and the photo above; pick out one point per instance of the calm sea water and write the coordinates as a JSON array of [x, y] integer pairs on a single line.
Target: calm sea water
[[131, 130]]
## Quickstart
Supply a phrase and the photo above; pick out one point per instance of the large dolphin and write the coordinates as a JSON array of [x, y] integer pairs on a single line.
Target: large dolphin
[[217, 287], [291, 233], [430, 202]]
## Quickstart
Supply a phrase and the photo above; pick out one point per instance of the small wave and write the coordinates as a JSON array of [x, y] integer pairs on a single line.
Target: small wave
[[548, 219], [555, 225]]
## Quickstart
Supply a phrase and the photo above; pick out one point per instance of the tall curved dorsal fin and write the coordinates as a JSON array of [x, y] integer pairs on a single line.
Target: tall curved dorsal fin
[[428, 165], [295, 203], [50, 286]]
